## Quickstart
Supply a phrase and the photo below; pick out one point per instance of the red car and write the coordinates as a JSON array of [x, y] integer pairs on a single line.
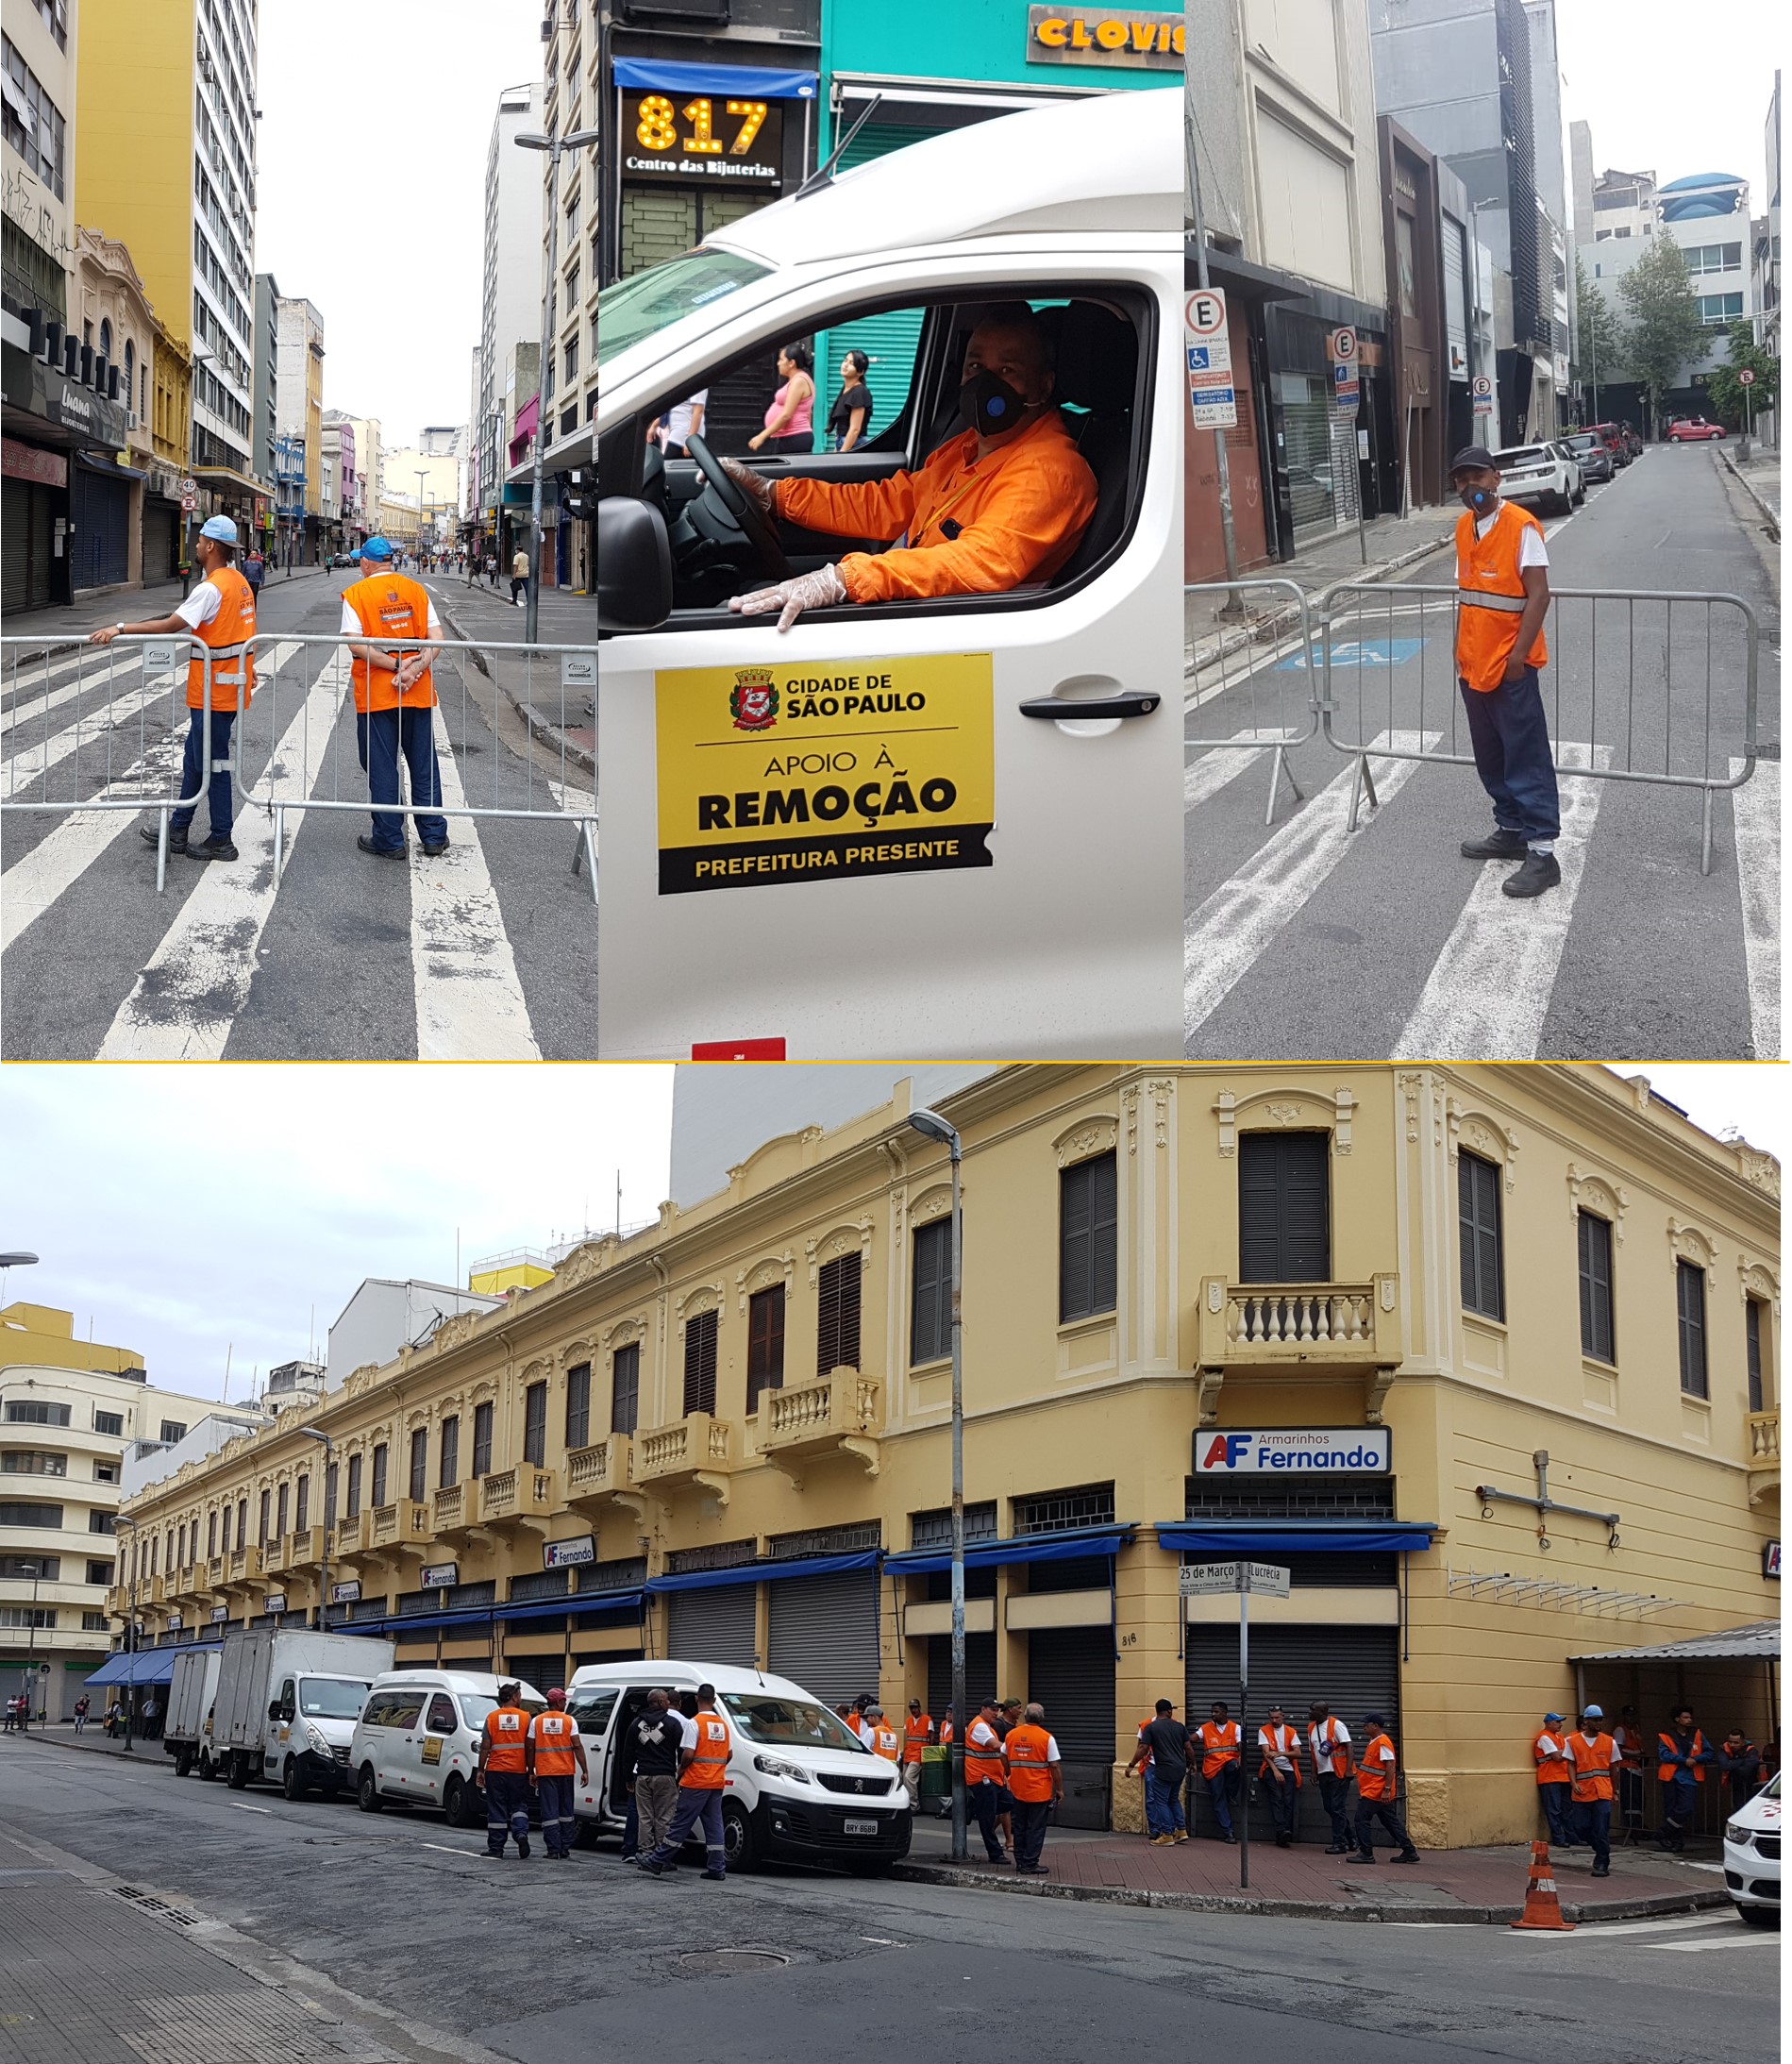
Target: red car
[[1687, 429]]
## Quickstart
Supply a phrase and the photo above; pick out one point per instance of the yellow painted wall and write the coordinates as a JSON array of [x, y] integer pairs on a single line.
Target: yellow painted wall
[[39, 1336], [134, 160]]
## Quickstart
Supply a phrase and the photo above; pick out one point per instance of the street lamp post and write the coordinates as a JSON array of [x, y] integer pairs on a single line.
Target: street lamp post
[[313, 1432], [119, 1520], [931, 1126], [33, 1570], [553, 146]]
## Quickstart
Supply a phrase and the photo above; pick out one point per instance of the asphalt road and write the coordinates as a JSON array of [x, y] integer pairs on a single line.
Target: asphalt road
[[488, 952], [585, 1962], [1308, 940]]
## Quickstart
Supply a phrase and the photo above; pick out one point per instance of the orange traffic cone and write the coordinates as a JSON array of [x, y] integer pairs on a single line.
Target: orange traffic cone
[[1542, 1908]]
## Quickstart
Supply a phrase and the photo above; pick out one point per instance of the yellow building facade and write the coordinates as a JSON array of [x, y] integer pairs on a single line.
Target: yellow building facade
[[1485, 1357]]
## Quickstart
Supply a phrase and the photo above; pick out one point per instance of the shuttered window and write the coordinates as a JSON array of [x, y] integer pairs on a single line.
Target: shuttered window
[[379, 1481], [1595, 1287], [1284, 1207], [699, 1362], [1690, 1290], [1751, 1328], [1087, 1237], [331, 1470], [419, 1465], [930, 1308], [281, 1506], [482, 1416], [451, 1452], [243, 1517], [535, 1424], [212, 1525], [302, 1522], [764, 1343], [578, 1405], [1478, 1205], [837, 1315], [625, 1388], [265, 1514]]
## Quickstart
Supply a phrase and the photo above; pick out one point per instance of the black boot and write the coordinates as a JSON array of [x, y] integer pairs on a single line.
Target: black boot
[[1498, 845], [212, 849], [151, 834], [1540, 871]]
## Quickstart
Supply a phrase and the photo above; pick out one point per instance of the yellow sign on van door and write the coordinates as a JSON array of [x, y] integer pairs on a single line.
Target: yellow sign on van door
[[771, 773]]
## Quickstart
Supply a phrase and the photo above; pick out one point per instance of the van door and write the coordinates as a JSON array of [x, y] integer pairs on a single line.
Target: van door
[[402, 1775], [279, 1732], [440, 1723], [594, 1712], [1023, 895]]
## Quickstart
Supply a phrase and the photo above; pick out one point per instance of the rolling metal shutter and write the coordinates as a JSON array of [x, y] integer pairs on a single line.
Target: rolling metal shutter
[[1070, 1671], [980, 1672], [161, 539], [1354, 1670], [26, 529], [714, 1626], [102, 540], [824, 1633]]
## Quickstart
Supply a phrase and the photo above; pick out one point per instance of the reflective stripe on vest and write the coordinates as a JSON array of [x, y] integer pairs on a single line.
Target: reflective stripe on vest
[[1474, 599], [1552, 1764], [708, 1768], [1221, 1745], [554, 1735], [1592, 1766], [394, 613], [226, 638], [917, 1732], [1328, 1748], [507, 1731], [983, 1756], [1029, 1762], [1490, 595], [1374, 1778]]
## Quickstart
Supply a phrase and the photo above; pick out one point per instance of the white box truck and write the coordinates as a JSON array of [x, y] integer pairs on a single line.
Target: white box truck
[[191, 1692], [286, 1703]]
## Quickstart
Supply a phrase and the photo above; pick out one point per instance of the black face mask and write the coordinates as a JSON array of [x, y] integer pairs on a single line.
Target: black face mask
[[1480, 499], [989, 404]]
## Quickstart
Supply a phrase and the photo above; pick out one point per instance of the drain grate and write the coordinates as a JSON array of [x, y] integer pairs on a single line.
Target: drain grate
[[146, 1903], [730, 1963]]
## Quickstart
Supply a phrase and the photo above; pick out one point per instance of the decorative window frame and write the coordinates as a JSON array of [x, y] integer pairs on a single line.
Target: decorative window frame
[[1485, 1136], [626, 1333], [698, 1299], [1086, 1138], [572, 1353], [1758, 1279], [1600, 1196], [931, 1204], [765, 1274], [1691, 1243], [1275, 1110], [831, 1246]]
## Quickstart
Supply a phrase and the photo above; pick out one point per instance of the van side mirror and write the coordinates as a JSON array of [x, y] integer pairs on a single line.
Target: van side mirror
[[634, 565], [276, 1710]]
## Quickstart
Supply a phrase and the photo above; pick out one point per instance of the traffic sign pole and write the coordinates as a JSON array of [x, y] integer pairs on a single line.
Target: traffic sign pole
[[1220, 463]]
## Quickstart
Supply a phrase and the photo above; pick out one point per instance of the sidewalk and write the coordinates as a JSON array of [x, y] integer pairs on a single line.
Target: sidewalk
[[533, 689], [1759, 478], [61, 1735], [1462, 1886], [63, 626], [1393, 543]]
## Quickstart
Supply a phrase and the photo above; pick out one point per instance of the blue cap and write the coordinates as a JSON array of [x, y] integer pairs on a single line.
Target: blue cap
[[1594, 1712], [1552, 1716], [219, 527], [375, 547]]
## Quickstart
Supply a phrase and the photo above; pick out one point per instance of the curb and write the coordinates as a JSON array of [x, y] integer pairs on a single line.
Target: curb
[[539, 729], [1748, 487], [54, 642], [1643, 1907]]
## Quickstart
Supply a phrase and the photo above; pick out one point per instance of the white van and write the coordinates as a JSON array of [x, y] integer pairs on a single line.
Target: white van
[[417, 1739], [1751, 1858], [947, 827], [800, 1785]]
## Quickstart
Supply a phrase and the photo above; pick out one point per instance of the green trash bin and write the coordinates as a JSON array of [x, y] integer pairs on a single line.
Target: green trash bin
[[936, 1779]]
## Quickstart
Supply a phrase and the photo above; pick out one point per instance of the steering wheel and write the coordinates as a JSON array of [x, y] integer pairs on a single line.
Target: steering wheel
[[741, 511]]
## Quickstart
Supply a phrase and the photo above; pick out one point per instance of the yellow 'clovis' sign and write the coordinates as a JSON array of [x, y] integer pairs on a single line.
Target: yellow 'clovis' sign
[[1104, 36], [810, 773]]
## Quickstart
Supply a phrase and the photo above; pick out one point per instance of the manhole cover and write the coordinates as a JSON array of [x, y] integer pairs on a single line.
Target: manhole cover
[[147, 1903], [729, 1963]]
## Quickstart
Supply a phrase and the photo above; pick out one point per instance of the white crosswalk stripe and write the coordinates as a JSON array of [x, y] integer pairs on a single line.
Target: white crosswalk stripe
[[1247, 912], [1756, 806], [1219, 767], [33, 761], [23, 688], [1489, 988]]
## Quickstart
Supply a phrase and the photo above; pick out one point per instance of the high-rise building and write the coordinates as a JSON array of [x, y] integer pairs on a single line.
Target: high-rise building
[[510, 299], [299, 411], [263, 408], [1767, 242], [167, 164]]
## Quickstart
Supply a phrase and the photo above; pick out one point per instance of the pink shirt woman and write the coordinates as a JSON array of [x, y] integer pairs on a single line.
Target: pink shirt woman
[[790, 420]]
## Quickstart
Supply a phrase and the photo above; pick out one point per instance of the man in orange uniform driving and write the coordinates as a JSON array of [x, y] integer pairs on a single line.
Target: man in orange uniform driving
[[1004, 502]]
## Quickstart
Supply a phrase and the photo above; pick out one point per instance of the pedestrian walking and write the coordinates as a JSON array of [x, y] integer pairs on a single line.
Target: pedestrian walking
[[881, 1738], [1378, 1795], [1555, 1775], [395, 698], [491, 567], [1280, 1768], [986, 1779], [652, 1749], [553, 1751], [1035, 1783], [850, 413], [681, 420], [519, 575], [790, 422], [1739, 1768], [1628, 1735], [1502, 597], [1007, 1720], [1594, 1756], [1162, 1754], [10, 1725], [186, 577], [254, 569], [152, 1718], [114, 1721], [702, 1773], [503, 1771], [1222, 1752], [1329, 1742], [1681, 1755], [219, 613], [917, 1735], [82, 1706]]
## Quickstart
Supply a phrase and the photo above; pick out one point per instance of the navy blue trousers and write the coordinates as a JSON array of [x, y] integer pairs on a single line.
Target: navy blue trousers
[[379, 737], [1510, 739], [506, 1810], [192, 771]]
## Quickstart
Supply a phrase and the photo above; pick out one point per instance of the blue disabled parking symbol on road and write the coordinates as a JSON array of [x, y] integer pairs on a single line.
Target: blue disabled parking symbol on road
[[1359, 652]]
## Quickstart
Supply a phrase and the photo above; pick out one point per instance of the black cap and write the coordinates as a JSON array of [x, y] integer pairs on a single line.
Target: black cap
[[1374, 1719], [1473, 455]]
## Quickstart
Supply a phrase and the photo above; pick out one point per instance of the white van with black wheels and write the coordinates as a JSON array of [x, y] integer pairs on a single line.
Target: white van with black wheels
[[800, 1785], [917, 826], [417, 1741]]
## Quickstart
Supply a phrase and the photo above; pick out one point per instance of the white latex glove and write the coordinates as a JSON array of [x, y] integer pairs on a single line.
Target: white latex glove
[[754, 485], [790, 597]]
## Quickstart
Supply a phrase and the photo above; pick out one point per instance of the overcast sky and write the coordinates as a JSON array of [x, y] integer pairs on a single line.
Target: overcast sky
[[186, 1211], [1670, 92], [371, 187]]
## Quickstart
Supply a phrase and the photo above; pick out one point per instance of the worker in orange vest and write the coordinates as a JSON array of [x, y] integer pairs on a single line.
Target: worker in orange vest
[[1222, 1756], [986, 1778], [1593, 1756], [503, 1770], [387, 618], [1681, 1755], [1628, 1737], [918, 1734], [1502, 597], [555, 1751], [702, 1778], [881, 1738], [1555, 1775], [1330, 1742], [1281, 1771], [1035, 1780], [1378, 1795], [219, 613]]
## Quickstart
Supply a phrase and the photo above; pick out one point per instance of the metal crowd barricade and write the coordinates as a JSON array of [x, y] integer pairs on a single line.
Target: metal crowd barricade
[[1697, 709], [89, 726], [1282, 700], [508, 727]]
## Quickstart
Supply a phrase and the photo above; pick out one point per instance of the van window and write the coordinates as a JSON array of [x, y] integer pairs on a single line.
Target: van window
[[591, 1710], [476, 1705], [442, 1720], [397, 1708], [789, 1722], [663, 294], [330, 1698]]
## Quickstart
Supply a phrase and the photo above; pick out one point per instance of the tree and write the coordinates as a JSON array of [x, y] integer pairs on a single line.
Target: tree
[[1664, 333], [1599, 339], [1726, 389]]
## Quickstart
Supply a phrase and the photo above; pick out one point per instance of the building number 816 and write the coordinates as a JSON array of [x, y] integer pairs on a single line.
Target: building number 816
[[658, 128]]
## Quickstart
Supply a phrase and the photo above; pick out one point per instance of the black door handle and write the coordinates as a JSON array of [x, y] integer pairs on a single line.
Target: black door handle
[[1128, 702]]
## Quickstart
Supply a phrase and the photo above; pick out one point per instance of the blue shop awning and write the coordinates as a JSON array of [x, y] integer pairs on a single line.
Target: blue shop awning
[[1070, 1546], [765, 1572], [1290, 1538], [115, 1670], [607, 1602], [672, 75]]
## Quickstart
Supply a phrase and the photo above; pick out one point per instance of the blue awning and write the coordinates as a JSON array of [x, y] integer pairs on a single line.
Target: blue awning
[[1291, 1538], [607, 1602], [672, 75], [1071, 1546], [115, 1670], [765, 1572], [145, 1666]]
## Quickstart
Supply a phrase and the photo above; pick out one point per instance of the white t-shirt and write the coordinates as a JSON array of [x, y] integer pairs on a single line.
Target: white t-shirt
[[1051, 1750], [201, 605], [689, 1726], [678, 420], [351, 623], [1277, 1756], [1531, 547], [1317, 1742]]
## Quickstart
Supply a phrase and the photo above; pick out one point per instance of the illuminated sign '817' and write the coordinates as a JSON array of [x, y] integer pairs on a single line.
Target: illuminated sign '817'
[[657, 126]]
